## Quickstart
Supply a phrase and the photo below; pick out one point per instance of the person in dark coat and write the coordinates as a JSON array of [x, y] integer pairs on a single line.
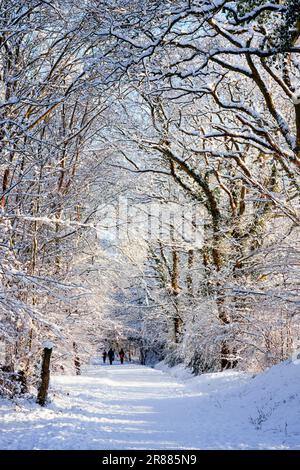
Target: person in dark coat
[[121, 355], [104, 355], [111, 355]]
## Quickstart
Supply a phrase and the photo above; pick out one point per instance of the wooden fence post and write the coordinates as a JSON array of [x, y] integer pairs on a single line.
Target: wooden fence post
[[76, 359], [45, 374]]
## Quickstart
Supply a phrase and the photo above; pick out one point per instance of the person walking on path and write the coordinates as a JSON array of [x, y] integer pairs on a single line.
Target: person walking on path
[[111, 355], [104, 355], [121, 356]]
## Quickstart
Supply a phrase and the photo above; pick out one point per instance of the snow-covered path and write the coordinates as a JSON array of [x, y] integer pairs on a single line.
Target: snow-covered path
[[136, 407]]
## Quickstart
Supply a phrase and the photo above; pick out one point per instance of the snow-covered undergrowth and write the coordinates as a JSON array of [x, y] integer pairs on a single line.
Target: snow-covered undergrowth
[[271, 400], [137, 407]]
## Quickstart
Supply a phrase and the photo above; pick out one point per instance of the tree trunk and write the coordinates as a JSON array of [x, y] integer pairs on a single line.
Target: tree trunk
[[177, 321], [76, 359], [45, 377], [142, 356], [189, 277]]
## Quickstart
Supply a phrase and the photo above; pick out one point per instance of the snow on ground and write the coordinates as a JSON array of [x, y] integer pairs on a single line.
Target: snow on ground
[[137, 407]]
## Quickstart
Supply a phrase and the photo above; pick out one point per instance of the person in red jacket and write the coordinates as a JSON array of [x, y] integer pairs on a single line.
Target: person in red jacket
[[121, 356]]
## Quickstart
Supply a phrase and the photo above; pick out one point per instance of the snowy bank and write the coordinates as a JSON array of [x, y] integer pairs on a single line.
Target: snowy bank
[[270, 400]]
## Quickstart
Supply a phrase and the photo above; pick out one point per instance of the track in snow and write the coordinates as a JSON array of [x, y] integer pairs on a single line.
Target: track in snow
[[134, 407]]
